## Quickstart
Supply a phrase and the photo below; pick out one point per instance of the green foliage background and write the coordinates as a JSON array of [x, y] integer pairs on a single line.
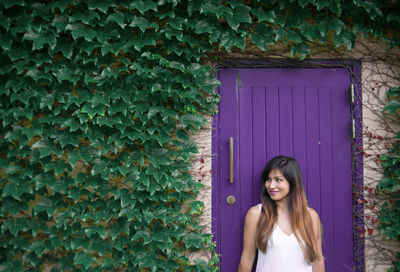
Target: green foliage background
[[98, 99], [389, 185]]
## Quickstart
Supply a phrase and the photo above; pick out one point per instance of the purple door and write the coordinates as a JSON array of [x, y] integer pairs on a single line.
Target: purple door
[[300, 112]]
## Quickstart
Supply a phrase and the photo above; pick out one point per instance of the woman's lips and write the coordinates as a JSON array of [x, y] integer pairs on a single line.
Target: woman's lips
[[273, 192]]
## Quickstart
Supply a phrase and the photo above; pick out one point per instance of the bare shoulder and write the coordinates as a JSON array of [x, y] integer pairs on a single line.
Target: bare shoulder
[[253, 214], [314, 214], [315, 220], [255, 210]]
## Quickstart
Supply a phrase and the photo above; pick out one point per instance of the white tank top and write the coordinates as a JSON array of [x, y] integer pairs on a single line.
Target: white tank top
[[284, 254]]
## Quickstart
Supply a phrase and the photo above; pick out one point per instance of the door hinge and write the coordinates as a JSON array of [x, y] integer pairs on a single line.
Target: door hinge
[[351, 94], [238, 83], [351, 100]]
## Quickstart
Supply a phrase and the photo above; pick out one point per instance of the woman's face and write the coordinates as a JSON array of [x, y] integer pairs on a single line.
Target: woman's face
[[277, 185]]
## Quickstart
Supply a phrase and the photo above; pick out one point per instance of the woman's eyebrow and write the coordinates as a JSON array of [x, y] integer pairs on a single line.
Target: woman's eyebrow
[[276, 177]]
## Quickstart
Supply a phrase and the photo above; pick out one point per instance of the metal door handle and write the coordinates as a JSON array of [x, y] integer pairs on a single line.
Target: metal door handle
[[231, 159]]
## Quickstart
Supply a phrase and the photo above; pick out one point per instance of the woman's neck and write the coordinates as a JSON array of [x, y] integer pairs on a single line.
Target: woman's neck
[[282, 206]]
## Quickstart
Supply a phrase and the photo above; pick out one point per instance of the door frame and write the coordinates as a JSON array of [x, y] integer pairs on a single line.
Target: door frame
[[354, 68]]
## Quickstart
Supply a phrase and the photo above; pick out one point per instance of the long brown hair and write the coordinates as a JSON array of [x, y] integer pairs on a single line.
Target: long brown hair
[[301, 221]]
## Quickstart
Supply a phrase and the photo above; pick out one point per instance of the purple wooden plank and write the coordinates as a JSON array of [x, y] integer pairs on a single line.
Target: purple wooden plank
[[216, 190], [312, 139], [326, 212], [299, 131], [230, 217], [272, 121], [285, 121], [245, 153], [342, 192], [259, 135], [284, 77]]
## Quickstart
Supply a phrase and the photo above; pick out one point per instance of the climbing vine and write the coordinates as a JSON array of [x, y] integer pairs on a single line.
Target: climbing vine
[[98, 103], [389, 185]]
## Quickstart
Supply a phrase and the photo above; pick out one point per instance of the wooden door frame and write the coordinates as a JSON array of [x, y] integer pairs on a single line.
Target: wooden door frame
[[354, 68]]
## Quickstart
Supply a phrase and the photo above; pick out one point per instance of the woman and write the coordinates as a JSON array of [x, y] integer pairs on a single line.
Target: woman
[[284, 230]]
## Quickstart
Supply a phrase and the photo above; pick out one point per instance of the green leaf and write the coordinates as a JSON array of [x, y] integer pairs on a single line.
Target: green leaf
[[14, 266], [62, 5], [145, 260], [140, 22], [101, 5], [214, 9], [207, 83], [86, 17], [193, 120], [84, 259], [117, 17], [337, 25], [84, 153], [9, 3], [100, 247], [302, 49], [40, 39], [63, 74], [120, 243], [16, 190], [241, 14], [45, 148], [74, 193], [309, 31], [393, 17], [80, 243], [143, 6], [45, 204], [100, 230], [80, 30], [13, 225], [323, 26], [392, 107], [294, 36], [122, 225], [304, 3], [37, 247], [203, 26], [126, 198], [6, 42], [393, 93], [262, 15], [194, 240], [43, 179], [101, 166], [263, 35], [279, 34], [92, 111], [142, 40], [345, 37], [67, 138], [60, 22], [12, 205]]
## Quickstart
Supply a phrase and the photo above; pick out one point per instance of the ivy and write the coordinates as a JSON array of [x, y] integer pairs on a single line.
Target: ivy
[[98, 102], [389, 185]]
